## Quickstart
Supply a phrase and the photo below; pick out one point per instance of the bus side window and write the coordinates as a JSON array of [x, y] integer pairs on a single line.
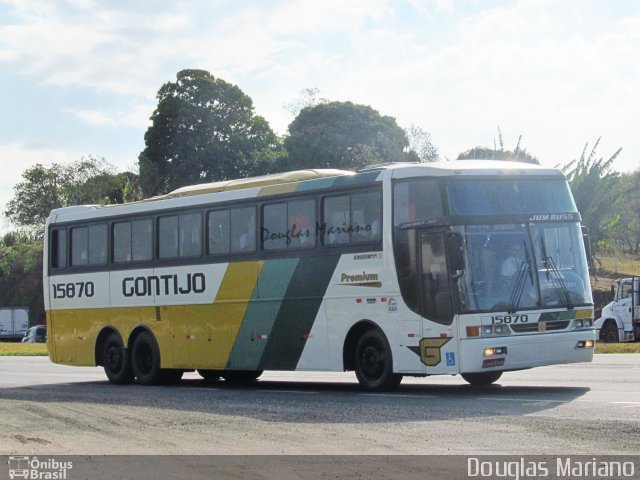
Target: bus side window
[[274, 227], [243, 230], [336, 220], [302, 220], [218, 232], [142, 240], [366, 216], [122, 242], [190, 227], [168, 237], [59, 248], [79, 246]]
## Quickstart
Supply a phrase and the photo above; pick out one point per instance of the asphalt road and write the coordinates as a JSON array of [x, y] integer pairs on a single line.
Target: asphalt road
[[561, 410]]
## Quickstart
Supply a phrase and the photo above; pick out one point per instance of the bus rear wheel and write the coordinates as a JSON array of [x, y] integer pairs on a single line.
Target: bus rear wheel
[[116, 361], [145, 358], [374, 363], [481, 378]]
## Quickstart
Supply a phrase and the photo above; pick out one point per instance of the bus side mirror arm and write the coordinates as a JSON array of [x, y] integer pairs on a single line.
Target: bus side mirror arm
[[455, 252]]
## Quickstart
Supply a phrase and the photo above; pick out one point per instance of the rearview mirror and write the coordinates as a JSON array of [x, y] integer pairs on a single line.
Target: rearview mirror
[[455, 251]]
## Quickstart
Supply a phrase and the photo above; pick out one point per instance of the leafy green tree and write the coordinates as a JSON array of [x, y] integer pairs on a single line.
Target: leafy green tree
[[625, 231], [518, 154], [596, 190], [204, 129], [89, 180], [343, 135], [21, 274], [420, 145]]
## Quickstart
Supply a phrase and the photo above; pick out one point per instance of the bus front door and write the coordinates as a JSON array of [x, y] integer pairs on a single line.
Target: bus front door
[[438, 346]]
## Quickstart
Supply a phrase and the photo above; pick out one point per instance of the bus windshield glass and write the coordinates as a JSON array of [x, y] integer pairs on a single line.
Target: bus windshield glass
[[516, 266], [503, 196]]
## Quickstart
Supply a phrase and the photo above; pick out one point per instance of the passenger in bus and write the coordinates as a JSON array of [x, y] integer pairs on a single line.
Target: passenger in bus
[[511, 265]]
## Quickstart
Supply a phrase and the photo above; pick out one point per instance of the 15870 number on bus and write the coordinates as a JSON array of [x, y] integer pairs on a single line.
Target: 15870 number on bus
[[73, 290], [508, 319]]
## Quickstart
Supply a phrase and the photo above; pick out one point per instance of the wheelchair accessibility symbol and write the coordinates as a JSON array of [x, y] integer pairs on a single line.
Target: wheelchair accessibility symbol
[[451, 359]]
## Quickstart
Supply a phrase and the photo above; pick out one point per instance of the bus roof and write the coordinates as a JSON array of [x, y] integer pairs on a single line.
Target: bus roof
[[304, 180]]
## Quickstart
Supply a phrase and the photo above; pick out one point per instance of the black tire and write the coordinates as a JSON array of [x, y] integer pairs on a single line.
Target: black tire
[[609, 332], [116, 361], [145, 358], [481, 378], [241, 375], [374, 363], [210, 375]]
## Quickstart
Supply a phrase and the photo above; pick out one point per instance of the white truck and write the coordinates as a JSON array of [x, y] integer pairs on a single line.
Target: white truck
[[620, 320], [14, 323]]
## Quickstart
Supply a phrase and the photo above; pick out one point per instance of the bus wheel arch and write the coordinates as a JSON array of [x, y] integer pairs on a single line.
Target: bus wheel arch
[[368, 352], [113, 357]]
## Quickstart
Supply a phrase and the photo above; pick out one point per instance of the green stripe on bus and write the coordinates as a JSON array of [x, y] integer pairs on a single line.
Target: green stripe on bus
[[298, 312], [261, 314]]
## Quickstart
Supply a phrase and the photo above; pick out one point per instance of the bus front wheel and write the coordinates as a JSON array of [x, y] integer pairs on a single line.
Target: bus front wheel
[[481, 378], [116, 361], [374, 363], [145, 358]]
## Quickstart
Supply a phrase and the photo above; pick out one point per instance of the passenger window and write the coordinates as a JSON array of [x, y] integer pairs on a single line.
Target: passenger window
[[274, 229], [98, 244], [190, 225], [366, 217], [168, 237], [218, 232], [355, 218], [243, 230], [89, 245], [301, 219], [59, 248], [337, 219], [122, 242], [79, 246], [142, 240]]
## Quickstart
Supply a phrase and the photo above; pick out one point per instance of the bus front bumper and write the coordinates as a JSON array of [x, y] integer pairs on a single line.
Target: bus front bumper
[[517, 352]]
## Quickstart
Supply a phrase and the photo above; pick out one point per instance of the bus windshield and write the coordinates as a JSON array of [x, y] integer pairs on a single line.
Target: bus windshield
[[517, 266], [503, 196]]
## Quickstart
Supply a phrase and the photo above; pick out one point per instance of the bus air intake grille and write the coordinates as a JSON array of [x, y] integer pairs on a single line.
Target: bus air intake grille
[[533, 327]]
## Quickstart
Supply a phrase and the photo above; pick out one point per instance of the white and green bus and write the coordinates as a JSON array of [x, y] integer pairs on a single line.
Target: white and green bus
[[468, 267]]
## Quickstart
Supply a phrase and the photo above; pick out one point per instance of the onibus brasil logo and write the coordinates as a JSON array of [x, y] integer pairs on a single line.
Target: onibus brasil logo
[[37, 469]]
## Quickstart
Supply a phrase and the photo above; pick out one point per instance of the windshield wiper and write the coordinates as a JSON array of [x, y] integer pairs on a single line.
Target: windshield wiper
[[550, 265], [518, 287]]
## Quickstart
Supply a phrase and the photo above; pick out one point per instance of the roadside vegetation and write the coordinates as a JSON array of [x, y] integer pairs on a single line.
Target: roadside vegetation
[[22, 349]]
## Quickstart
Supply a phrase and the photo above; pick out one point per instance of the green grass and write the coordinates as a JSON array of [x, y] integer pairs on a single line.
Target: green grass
[[633, 347], [23, 349]]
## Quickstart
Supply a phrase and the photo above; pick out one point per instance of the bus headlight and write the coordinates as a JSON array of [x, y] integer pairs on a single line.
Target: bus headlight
[[493, 351], [578, 323], [585, 344]]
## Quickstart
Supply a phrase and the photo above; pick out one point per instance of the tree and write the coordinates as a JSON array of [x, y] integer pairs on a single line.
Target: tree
[[89, 180], [518, 154], [625, 218], [343, 135], [420, 144], [596, 191], [204, 129], [21, 274]]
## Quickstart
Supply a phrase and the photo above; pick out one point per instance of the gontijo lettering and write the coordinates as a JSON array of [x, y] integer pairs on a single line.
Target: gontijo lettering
[[171, 284]]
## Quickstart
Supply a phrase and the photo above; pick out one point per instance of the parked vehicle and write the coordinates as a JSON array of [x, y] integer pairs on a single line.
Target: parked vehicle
[[14, 323], [620, 320], [37, 334]]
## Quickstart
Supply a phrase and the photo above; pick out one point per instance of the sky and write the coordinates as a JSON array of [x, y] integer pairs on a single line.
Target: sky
[[80, 77]]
